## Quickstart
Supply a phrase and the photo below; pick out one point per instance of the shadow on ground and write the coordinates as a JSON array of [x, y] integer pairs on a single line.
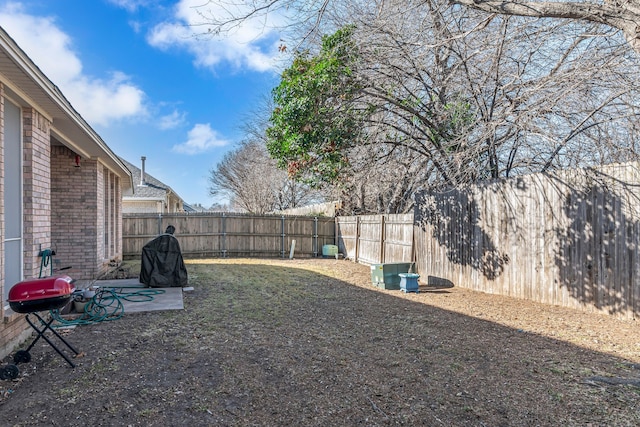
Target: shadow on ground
[[312, 343]]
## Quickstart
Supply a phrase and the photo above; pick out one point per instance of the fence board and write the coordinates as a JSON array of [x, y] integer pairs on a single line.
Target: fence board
[[370, 239]]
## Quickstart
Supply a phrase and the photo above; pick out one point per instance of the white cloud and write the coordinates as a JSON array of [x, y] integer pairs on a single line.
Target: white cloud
[[130, 5], [253, 44], [102, 101], [136, 26], [171, 121], [98, 100], [200, 139]]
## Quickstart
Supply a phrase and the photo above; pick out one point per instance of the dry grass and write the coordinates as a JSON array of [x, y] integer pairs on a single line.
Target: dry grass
[[312, 343]]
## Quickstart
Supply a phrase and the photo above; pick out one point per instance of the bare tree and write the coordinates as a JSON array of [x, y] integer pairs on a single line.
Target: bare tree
[[457, 95], [623, 15], [473, 104], [252, 182]]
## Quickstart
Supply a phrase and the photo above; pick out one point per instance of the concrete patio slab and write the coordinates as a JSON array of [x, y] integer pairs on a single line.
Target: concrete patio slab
[[136, 297]]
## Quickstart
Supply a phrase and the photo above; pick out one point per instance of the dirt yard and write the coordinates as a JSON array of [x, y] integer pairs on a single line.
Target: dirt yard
[[313, 343]]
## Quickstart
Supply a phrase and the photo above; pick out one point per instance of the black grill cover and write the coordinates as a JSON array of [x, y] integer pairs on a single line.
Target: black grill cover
[[162, 264]]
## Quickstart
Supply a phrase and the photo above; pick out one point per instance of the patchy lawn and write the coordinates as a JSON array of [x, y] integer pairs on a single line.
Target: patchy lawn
[[313, 343]]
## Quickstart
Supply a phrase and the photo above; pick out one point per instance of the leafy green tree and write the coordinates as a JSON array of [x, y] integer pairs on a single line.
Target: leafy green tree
[[315, 119], [325, 107]]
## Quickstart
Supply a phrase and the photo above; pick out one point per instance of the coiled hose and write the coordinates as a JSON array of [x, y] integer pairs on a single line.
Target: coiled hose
[[106, 305]]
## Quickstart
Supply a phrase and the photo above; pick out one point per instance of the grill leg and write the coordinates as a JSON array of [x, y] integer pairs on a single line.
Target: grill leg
[[40, 332]]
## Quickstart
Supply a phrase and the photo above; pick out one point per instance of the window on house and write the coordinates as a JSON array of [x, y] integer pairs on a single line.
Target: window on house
[[13, 238]]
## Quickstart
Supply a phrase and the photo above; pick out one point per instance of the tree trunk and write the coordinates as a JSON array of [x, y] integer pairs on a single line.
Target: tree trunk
[[621, 14]]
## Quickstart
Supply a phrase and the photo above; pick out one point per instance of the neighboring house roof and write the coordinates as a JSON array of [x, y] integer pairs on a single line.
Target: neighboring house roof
[[152, 189], [27, 85], [195, 208]]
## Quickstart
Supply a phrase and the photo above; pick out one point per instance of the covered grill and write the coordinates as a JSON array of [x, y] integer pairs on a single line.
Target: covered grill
[[32, 296], [162, 265]]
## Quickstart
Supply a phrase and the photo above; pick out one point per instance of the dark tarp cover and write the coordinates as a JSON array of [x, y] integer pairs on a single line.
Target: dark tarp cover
[[162, 264]]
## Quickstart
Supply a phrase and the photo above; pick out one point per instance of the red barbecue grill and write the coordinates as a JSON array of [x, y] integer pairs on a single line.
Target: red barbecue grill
[[32, 296]]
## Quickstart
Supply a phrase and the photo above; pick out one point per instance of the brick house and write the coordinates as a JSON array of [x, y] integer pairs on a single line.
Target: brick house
[[60, 185], [150, 195]]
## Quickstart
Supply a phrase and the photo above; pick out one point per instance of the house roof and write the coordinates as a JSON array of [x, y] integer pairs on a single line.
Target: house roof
[[188, 208], [153, 189], [27, 85]]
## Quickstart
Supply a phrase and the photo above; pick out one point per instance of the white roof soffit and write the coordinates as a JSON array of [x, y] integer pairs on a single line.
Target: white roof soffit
[[27, 84]]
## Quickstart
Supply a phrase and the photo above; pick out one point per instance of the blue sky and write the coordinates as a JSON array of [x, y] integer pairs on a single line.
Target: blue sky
[[135, 72]]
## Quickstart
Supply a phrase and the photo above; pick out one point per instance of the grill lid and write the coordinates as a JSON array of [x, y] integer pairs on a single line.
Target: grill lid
[[44, 288]]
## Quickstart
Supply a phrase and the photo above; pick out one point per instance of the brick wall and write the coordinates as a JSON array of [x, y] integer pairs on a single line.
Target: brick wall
[[75, 222], [37, 188], [64, 209], [113, 217], [101, 203], [118, 219], [14, 330]]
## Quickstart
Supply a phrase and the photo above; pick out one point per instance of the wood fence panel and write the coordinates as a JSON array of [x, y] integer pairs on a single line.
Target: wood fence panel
[[198, 234], [236, 235], [302, 232], [370, 239], [376, 239], [267, 237], [569, 239], [398, 238], [135, 234], [347, 236], [327, 231]]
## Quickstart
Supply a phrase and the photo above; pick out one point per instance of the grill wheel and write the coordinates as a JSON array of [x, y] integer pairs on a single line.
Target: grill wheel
[[9, 372], [22, 356]]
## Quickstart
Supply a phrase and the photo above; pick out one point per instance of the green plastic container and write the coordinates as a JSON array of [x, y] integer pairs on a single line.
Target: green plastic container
[[329, 251], [385, 276]]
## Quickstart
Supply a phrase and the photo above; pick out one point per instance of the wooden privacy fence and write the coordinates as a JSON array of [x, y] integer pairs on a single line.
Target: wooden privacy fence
[[230, 234], [570, 239], [376, 239]]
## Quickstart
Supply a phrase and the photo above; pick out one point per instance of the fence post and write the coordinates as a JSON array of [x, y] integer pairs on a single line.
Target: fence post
[[315, 236], [282, 248], [357, 239], [414, 254], [223, 246], [160, 223], [382, 239]]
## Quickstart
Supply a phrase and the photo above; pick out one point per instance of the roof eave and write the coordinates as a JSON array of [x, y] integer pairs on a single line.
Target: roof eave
[[72, 130]]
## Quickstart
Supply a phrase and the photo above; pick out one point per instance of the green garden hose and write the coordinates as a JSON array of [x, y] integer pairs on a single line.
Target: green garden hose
[[46, 261], [107, 305]]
